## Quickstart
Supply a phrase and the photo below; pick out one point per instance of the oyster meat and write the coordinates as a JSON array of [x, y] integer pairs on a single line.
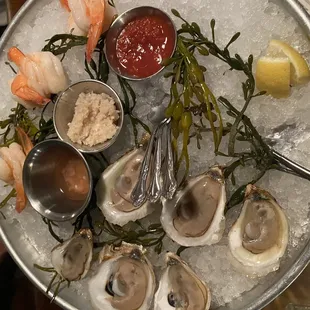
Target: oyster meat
[[180, 288], [125, 279], [72, 258], [115, 187], [259, 237], [195, 216]]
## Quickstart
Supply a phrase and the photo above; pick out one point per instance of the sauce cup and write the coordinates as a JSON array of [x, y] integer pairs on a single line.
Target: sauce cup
[[57, 180], [65, 107], [120, 24]]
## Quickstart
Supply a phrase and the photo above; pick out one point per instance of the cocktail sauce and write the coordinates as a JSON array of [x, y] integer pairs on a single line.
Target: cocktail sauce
[[143, 44]]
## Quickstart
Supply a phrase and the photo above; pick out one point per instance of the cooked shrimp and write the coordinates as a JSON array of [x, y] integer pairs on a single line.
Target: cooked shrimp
[[65, 4], [40, 75], [24, 140], [95, 10], [16, 56], [14, 158], [89, 16], [5, 172], [21, 89]]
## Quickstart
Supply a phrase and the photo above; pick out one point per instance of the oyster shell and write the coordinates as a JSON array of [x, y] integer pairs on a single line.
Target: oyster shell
[[195, 216], [180, 287], [114, 190], [125, 279], [72, 258], [259, 237]]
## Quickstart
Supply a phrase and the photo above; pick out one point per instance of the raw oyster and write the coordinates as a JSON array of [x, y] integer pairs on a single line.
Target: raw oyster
[[114, 190], [72, 258], [195, 216], [259, 237], [125, 279], [180, 287]]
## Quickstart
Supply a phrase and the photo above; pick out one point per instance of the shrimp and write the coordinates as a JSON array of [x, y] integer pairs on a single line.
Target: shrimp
[[14, 158], [95, 9], [24, 140], [5, 172], [20, 88], [40, 75], [89, 16], [65, 4]]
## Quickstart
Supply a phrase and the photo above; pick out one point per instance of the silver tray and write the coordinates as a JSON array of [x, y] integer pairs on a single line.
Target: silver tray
[[257, 298]]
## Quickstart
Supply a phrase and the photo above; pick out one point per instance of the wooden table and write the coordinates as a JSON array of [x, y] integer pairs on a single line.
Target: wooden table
[[297, 294], [13, 6]]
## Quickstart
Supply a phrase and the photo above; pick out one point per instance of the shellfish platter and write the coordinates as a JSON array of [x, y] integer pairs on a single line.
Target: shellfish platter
[[234, 85]]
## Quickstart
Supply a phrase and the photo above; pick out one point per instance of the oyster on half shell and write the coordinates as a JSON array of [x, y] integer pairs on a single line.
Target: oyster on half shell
[[259, 237], [72, 258], [195, 216], [125, 279], [180, 288], [115, 187]]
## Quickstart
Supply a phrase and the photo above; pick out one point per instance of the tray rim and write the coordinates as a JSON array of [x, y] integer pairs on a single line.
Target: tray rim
[[298, 11]]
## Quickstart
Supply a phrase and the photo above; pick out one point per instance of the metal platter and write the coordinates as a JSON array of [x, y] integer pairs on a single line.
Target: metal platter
[[260, 296]]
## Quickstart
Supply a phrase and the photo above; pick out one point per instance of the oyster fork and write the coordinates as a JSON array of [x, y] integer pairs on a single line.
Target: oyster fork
[[159, 185], [166, 186]]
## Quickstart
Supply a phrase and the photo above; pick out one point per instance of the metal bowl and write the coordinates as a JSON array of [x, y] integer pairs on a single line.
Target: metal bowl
[[118, 26], [44, 183], [64, 112]]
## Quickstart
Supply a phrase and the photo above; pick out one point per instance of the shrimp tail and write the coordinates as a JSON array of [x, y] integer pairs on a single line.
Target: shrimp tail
[[96, 12], [65, 4], [94, 34], [21, 199], [24, 140], [20, 89], [16, 55]]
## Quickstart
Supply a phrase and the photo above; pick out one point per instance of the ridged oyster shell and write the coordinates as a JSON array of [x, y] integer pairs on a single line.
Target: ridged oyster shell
[[115, 187], [195, 216], [72, 258], [259, 237], [125, 279], [180, 288]]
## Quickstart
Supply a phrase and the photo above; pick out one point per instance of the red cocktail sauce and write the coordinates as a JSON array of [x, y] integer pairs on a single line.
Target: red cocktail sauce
[[143, 44]]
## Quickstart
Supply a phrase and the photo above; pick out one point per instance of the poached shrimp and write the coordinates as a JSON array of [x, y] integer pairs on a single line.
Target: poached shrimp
[[40, 75], [91, 17], [12, 160]]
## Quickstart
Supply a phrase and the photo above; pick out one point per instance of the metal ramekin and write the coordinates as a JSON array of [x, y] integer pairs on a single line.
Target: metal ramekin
[[117, 27], [64, 112]]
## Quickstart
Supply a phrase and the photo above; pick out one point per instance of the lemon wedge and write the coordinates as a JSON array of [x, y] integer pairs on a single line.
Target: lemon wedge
[[281, 68], [300, 73], [273, 76]]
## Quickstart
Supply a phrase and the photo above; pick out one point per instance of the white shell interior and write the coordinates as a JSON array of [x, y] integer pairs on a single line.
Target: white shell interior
[[216, 229], [100, 299], [104, 200], [161, 300], [258, 264]]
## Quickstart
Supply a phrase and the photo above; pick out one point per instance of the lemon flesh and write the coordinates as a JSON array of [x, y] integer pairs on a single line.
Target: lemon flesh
[[300, 73], [273, 76]]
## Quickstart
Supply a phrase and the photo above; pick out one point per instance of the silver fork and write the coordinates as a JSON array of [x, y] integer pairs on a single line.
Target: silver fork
[[141, 191], [170, 183], [291, 165], [166, 186]]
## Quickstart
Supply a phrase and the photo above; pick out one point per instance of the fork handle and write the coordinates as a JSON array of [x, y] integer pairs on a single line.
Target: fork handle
[[170, 182], [139, 193], [155, 190], [291, 165]]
